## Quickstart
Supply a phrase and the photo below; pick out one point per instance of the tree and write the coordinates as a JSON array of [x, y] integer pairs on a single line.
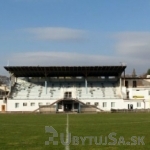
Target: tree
[[143, 75], [148, 72]]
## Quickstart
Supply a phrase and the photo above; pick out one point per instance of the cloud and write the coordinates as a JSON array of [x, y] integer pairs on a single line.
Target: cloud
[[57, 34], [60, 58], [131, 48], [76, 59], [133, 44]]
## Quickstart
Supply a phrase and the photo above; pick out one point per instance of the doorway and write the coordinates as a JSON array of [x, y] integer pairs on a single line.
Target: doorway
[[3, 107], [130, 106], [67, 107]]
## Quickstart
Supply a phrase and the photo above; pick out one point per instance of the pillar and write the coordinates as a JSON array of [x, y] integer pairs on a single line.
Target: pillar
[[86, 85], [46, 87], [79, 108]]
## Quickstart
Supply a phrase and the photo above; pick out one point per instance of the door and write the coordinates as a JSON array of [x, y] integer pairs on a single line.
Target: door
[[126, 84], [130, 106], [3, 108]]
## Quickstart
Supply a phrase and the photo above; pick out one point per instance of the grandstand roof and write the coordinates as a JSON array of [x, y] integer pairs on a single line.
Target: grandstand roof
[[60, 71]]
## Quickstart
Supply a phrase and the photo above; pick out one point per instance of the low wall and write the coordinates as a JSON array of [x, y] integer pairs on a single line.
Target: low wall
[[47, 109], [86, 108], [129, 110]]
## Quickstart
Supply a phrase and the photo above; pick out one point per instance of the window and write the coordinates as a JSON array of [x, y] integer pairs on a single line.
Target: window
[[68, 86], [138, 104], [68, 95], [24, 104], [96, 103], [127, 94], [59, 106], [112, 104], [40, 103], [134, 84], [76, 105], [32, 104], [87, 103], [130, 106], [91, 85], [16, 105], [126, 84], [104, 104]]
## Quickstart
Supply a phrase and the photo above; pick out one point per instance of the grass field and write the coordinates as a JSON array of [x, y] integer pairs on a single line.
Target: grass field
[[27, 131]]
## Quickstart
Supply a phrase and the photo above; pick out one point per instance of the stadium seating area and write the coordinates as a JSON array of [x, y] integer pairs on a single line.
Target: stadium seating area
[[97, 90], [56, 90]]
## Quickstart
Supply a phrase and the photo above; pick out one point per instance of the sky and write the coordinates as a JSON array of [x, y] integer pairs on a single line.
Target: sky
[[75, 32]]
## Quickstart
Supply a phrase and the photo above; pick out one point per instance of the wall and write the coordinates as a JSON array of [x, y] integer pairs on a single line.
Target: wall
[[118, 103], [11, 104], [139, 93]]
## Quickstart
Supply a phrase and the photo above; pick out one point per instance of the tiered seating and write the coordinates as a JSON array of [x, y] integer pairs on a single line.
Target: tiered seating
[[35, 91], [109, 91], [21, 90], [56, 90], [97, 90]]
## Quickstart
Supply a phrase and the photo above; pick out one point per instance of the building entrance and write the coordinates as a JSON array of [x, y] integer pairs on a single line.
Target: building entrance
[[68, 106]]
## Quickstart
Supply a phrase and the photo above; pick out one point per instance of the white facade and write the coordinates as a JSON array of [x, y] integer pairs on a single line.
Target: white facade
[[105, 94]]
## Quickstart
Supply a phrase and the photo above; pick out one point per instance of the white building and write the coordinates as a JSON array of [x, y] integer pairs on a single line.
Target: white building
[[3, 94], [76, 88]]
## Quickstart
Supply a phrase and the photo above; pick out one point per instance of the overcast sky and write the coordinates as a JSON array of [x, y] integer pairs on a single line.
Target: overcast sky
[[75, 32]]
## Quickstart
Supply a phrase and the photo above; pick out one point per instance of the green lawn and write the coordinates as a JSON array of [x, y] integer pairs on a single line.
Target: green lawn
[[125, 125], [27, 131]]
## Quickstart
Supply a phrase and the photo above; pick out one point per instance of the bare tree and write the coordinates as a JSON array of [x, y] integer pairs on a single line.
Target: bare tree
[[148, 72]]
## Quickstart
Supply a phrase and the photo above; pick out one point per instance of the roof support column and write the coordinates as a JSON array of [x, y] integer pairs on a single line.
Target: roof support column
[[121, 87], [45, 84], [79, 108], [56, 107], [86, 85], [45, 87], [11, 80]]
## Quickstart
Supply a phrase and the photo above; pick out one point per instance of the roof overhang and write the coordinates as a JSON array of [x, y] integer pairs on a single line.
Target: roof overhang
[[62, 71]]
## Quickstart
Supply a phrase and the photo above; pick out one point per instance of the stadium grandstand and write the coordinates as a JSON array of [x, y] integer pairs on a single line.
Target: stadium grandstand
[[73, 89]]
